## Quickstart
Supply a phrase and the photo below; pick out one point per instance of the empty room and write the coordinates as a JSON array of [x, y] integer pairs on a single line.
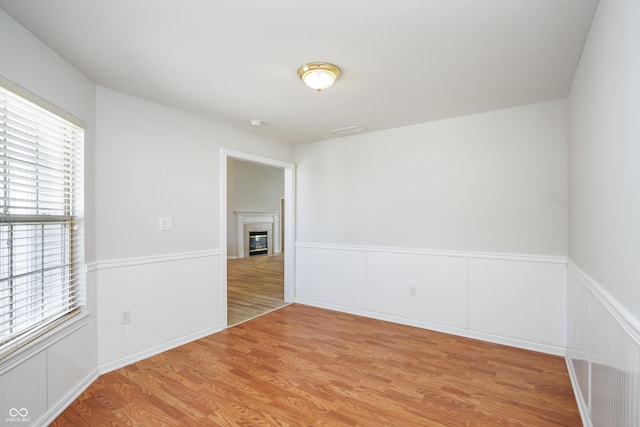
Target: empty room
[[407, 213]]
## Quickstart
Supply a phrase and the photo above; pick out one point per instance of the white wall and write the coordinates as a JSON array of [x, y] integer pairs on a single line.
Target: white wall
[[604, 208], [257, 187], [154, 162], [150, 162], [604, 218], [47, 378], [493, 182], [251, 187], [470, 211]]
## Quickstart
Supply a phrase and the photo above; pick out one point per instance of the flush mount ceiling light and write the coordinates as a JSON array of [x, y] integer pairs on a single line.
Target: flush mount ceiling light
[[318, 75]]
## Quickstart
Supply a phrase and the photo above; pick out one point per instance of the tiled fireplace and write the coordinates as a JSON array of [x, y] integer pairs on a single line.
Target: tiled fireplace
[[252, 222]]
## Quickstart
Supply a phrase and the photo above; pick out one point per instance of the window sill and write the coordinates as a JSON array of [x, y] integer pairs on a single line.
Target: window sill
[[46, 340]]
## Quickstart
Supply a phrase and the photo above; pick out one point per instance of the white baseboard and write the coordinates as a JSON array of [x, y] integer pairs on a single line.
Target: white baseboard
[[136, 357], [511, 342]]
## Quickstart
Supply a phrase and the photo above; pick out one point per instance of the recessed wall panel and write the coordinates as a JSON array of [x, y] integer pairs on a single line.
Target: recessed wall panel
[[427, 288], [331, 276], [518, 299]]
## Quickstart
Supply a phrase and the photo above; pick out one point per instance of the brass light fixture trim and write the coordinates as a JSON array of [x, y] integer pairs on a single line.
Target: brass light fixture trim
[[319, 75]]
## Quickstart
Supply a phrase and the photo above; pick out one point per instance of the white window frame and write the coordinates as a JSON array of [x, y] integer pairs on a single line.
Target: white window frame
[[44, 333]]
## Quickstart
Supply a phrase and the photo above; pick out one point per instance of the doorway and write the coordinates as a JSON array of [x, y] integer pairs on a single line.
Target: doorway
[[275, 266]]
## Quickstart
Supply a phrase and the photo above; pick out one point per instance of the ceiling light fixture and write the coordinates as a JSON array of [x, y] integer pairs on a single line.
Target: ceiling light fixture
[[318, 75]]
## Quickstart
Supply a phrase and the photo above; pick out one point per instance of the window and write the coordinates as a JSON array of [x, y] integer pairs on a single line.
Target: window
[[41, 176]]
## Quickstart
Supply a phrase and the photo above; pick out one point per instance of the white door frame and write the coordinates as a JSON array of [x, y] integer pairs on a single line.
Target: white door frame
[[289, 220]]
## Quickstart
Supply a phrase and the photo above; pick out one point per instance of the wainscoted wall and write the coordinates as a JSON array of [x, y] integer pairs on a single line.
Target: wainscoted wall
[[603, 354], [509, 299], [38, 385], [171, 300]]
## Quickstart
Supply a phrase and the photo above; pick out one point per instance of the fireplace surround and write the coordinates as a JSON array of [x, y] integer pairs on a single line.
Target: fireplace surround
[[251, 221]]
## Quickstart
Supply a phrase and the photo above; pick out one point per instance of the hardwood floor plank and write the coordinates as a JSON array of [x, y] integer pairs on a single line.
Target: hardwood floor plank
[[301, 365], [255, 285]]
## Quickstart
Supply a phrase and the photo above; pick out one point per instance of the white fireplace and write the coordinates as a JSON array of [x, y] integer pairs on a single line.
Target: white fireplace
[[258, 221]]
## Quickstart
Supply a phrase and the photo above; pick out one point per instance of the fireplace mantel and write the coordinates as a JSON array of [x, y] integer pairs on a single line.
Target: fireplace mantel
[[254, 217]]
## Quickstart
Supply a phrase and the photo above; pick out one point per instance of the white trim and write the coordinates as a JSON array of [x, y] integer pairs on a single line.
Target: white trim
[[289, 221], [629, 323], [67, 399], [90, 267], [511, 342], [41, 102], [550, 259], [289, 232], [149, 352], [155, 259], [223, 237], [255, 158]]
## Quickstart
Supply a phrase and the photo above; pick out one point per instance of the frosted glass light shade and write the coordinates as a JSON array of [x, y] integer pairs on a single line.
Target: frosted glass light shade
[[319, 75]]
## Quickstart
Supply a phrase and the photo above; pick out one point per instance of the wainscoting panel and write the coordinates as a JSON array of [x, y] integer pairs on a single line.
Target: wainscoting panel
[[335, 277], [23, 391], [171, 300], [70, 364], [44, 376], [505, 298], [420, 287], [610, 393], [615, 371], [518, 299], [578, 337]]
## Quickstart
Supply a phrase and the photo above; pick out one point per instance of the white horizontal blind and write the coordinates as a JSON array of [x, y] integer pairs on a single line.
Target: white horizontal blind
[[41, 177]]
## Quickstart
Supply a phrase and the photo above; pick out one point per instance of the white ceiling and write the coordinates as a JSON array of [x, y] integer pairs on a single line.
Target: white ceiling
[[403, 61]]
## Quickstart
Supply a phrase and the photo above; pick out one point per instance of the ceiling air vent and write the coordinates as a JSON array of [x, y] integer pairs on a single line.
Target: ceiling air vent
[[350, 129]]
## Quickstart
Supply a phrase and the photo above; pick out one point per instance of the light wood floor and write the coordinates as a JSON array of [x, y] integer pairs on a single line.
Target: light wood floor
[[255, 285], [303, 366]]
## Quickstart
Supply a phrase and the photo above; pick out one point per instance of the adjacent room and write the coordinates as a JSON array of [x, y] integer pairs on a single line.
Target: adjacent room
[[255, 240], [412, 213]]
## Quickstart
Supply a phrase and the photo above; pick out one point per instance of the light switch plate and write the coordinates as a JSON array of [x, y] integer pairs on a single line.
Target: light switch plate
[[166, 224]]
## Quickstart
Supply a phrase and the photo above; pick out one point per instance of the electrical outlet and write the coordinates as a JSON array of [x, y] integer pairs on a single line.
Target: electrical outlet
[[413, 291], [125, 317]]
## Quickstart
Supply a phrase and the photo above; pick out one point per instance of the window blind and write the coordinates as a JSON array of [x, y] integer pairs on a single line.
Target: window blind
[[41, 190]]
